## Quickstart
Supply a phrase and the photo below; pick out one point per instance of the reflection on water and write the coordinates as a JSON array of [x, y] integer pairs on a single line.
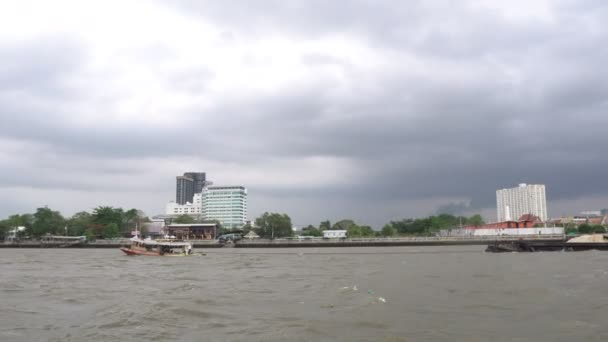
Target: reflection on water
[[324, 294]]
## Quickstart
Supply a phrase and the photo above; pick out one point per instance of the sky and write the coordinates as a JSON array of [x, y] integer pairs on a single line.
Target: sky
[[370, 110]]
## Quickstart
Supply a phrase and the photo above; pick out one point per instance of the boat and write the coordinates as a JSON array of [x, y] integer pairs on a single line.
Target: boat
[[587, 242], [160, 247]]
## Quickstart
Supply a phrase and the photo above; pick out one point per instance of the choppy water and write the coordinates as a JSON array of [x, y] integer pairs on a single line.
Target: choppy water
[[431, 294]]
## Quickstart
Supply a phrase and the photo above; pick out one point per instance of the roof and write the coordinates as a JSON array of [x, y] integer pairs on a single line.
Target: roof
[[162, 242], [187, 225], [251, 235], [226, 187], [529, 217]]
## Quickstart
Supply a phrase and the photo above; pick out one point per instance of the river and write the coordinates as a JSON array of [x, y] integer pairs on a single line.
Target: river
[[315, 294]]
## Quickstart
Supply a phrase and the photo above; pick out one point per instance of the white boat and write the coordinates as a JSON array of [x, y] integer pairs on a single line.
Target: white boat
[[160, 247]]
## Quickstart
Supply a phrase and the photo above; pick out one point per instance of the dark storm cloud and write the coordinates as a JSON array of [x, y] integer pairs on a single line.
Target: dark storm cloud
[[466, 100]]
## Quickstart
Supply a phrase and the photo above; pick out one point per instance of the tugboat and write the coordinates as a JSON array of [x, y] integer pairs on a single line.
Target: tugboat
[[161, 247]]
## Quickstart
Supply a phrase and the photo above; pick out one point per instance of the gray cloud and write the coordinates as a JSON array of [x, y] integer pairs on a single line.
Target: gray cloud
[[466, 100]]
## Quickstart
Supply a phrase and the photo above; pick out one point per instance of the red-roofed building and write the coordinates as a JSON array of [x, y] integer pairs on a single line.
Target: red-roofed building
[[525, 221]]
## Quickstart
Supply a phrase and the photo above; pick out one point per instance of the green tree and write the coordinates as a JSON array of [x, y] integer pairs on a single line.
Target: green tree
[[4, 228], [476, 220], [354, 231], [344, 224], [247, 227], [388, 230], [78, 223], [598, 229], [325, 225], [47, 221], [585, 229], [184, 219], [25, 220], [131, 219], [443, 221], [110, 231], [105, 215], [274, 225], [367, 231], [90, 233], [311, 231]]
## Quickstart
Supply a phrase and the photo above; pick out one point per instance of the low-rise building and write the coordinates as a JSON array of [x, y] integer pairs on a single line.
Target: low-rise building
[[195, 208], [14, 233], [193, 231], [334, 234]]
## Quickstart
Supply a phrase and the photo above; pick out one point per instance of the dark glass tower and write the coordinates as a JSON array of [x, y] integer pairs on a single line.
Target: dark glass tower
[[188, 185], [199, 179], [184, 191]]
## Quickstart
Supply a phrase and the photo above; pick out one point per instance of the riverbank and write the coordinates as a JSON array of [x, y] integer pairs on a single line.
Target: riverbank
[[298, 243]]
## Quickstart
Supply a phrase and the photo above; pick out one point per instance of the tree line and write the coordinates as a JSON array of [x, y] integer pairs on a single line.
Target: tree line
[[274, 225], [103, 222], [109, 222]]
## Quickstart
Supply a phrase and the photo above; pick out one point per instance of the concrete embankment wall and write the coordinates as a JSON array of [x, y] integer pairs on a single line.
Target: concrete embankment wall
[[94, 244], [349, 243], [286, 243]]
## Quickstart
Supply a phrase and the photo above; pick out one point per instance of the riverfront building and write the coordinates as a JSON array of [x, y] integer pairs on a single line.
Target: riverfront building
[[524, 199], [194, 208], [189, 184], [227, 204], [199, 181], [184, 190]]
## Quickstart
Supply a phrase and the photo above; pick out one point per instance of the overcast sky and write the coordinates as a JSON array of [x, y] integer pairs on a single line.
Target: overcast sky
[[372, 110]]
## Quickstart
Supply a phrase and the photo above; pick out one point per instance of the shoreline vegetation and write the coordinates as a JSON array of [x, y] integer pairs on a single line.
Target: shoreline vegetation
[[106, 222]]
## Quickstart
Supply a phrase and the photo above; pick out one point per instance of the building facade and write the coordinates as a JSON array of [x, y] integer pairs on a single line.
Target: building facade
[[184, 190], [515, 202], [189, 184], [199, 181], [194, 208], [227, 204]]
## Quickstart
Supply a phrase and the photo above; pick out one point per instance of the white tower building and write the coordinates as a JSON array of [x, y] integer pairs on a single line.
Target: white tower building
[[512, 203]]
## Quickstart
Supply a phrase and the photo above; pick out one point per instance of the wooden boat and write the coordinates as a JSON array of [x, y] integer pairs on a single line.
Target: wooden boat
[[161, 247]]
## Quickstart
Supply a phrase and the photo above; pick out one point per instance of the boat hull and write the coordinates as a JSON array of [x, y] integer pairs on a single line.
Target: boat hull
[[132, 251]]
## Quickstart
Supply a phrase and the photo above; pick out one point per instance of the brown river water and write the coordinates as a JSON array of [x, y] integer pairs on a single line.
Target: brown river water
[[401, 294]]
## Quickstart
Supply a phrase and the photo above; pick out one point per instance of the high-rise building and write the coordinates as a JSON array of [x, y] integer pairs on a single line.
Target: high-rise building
[[189, 184], [184, 190], [512, 203], [227, 204], [199, 179]]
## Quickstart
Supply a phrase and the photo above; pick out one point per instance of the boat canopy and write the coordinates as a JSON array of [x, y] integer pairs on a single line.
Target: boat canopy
[[163, 242]]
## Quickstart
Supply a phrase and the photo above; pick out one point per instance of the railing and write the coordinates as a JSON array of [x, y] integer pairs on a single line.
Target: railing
[[121, 241], [409, 239], [345, 241]]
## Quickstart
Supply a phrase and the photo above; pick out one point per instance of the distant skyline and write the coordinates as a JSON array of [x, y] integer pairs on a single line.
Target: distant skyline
[[322, 109]]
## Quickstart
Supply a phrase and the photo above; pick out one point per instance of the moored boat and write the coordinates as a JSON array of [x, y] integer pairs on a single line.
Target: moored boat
[[161, 247]]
